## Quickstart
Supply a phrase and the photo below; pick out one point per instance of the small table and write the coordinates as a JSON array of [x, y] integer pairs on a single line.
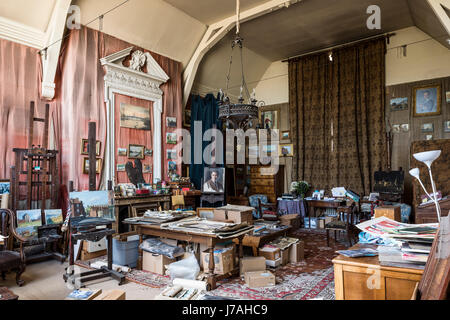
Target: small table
[[206, 239], [6, 294], [323, 204], [256, 242], [365, 279]]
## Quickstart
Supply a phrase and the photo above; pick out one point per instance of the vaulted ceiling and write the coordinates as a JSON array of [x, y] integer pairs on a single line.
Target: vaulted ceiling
[[175, 27]]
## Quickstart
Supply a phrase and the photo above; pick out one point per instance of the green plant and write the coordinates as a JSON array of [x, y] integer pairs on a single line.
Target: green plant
[[300, 187]]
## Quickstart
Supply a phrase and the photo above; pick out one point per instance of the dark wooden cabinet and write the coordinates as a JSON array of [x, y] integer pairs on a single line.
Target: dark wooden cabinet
[[267, 181], [427, 213]]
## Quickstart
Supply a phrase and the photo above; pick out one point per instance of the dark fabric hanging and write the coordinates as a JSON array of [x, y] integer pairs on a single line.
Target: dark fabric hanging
[[338, 116], [206, 111]]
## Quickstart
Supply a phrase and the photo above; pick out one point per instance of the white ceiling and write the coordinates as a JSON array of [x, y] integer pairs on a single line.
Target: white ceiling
[[174, 28], [211, 11], [33, 13]]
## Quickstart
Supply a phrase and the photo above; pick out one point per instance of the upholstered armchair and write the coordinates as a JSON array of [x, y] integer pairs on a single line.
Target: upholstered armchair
[[263, 209], [11, 260]]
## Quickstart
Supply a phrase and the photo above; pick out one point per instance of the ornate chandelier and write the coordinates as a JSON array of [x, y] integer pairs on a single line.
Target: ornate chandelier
[[238, 115]]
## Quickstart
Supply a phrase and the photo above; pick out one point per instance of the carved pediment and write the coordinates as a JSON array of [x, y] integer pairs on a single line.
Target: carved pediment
[[134, 74]]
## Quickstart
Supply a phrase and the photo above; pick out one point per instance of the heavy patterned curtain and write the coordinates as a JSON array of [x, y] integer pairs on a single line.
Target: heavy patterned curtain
[[338, 116]]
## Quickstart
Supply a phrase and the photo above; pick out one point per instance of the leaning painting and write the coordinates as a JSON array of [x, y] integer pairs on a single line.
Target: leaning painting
[[93, 200], [28, 222], [427, 101], [134, 117]]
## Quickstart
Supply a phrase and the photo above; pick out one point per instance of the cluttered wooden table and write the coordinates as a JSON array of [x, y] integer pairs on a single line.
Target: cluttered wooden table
[[191, 230]]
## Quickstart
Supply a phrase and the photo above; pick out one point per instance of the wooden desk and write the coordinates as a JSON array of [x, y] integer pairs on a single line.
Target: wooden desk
[[364, 279], [139, 203], [209, 240], [256, 242]]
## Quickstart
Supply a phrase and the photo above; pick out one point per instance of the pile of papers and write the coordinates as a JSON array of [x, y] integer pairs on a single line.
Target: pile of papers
[[159, 217], [203, 226], [412, 242]]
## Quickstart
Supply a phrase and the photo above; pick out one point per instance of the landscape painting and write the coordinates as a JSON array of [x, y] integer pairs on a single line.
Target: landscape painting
[[28, 222], [134, 117], [53, 216], [92, 199]]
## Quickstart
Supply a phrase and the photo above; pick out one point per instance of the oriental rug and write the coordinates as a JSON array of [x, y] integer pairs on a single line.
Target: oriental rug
[[312, 278]]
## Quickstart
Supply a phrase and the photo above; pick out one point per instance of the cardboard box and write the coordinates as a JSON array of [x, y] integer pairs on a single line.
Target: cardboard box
[[270, 253], [251, 264], [155, 263], [223, 260], [273, 263], [297, 252], [235, 214], [112, 295], [86, 256], [285, 256], [260, 279], [291, 220], [323, 221], [391, 212]]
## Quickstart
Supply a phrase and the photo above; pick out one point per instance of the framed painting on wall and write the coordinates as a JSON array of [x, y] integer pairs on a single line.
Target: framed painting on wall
[[136, 151], [85, 147], [427, 101], [98, 168], [134, 117]]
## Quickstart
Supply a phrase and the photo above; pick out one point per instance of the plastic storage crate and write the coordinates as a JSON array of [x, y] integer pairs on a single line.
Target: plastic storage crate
[[126, 253]]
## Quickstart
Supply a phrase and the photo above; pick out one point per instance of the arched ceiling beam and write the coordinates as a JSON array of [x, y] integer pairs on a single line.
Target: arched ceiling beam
[[217, 31], [438, 8], [50, 54]]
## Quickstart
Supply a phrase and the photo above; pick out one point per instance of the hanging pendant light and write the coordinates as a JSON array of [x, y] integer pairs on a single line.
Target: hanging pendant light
[[238, 115]]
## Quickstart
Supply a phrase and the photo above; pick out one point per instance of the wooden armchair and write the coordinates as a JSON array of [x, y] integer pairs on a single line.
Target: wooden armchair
[[267, 211], [11, 260]]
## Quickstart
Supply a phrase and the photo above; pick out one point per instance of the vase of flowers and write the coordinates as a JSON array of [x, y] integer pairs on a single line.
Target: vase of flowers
[[300, 188]]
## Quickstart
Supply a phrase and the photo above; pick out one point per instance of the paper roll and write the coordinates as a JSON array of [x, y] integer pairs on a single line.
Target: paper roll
[[5, 201]]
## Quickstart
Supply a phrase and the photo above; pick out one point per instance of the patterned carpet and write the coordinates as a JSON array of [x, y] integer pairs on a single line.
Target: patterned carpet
[[309, 279]]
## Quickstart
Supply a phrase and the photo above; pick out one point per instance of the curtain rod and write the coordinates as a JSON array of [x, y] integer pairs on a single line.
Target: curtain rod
[[388, 35]]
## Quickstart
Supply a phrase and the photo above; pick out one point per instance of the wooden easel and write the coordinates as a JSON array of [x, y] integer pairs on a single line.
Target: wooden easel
[[36, 169]]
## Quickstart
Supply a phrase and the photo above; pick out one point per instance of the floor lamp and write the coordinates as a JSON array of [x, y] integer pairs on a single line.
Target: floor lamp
[[428, 158]]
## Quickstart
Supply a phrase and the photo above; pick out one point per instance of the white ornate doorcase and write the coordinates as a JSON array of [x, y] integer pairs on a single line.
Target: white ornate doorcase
[[132, 81]]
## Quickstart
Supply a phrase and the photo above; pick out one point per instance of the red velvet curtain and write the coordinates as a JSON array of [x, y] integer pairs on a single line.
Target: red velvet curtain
[[20, 74]]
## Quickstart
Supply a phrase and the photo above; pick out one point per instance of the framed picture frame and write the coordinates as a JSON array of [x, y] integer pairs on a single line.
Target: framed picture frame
[[213, 180], [427, 127], [187, 118], [206, 213], [122, 152], [399, 104], [171, 138], [28, 222], [147, 168], [446, 126], [172, 166], [270, 117], [5, 186], [427, 100], [286, 135], [172, 154], [98, 168], [134, 117], [396, 128], [148, 152], [286, 150], [136, 151], [85, 147], [171, 122], [120, 168]]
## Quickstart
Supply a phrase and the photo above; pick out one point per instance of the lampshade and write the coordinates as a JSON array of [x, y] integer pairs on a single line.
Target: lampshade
[[415, 173], [428, 157]]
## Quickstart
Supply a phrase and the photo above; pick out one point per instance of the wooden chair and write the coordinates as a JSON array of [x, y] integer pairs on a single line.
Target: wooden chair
[[267, 211], [345, 222], [11, 260]]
